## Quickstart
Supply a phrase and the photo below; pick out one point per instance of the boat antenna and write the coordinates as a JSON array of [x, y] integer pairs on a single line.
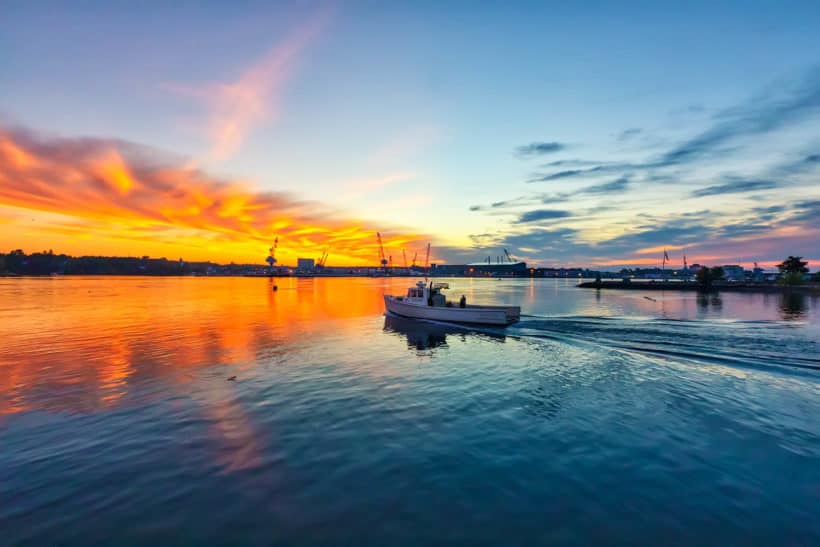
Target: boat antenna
[[427, 262]]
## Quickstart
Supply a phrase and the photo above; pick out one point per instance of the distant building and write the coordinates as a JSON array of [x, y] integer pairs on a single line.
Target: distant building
[[498, 268], [563, 272], [733, 272], [305, 263], [479, 269]]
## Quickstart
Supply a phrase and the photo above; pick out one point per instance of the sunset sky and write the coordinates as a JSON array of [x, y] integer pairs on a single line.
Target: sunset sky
[[579, 133]]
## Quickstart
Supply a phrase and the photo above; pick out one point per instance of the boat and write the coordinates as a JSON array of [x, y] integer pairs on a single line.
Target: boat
[[426, 301]]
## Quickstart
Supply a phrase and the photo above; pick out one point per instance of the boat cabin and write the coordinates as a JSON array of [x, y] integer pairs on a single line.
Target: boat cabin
[[429, 295]]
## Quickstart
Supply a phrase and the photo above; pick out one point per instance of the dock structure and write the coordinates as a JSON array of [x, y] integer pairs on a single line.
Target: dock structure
[[653, 285], [479, 269]]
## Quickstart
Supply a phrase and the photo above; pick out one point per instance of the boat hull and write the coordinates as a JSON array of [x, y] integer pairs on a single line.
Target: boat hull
[[476, 315]]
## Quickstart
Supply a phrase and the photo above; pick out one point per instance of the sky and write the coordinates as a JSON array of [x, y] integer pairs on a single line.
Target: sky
[[580, 133]]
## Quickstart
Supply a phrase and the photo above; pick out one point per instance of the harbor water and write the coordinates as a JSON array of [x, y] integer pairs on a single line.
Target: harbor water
[[178, 411]]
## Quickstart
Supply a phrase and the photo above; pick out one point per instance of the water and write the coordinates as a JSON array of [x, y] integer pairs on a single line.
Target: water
[[601, 417]]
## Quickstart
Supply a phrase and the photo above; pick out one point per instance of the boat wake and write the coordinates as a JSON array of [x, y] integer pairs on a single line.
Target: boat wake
[[757, 344], [735, 343]]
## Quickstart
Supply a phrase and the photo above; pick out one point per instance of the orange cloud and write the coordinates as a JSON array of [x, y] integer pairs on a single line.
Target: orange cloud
[[660, 249], [236, 107], [98, 195]]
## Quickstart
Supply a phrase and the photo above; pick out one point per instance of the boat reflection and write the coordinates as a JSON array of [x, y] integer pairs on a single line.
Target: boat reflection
[[423, 335], [709, 300], [793, 305]]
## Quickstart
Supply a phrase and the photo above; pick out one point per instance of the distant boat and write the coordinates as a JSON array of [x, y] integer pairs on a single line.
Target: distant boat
[[426, 301]]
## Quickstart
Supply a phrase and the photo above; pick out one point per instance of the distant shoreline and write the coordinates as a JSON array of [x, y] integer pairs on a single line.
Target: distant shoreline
[[809, 288], [609, 284]]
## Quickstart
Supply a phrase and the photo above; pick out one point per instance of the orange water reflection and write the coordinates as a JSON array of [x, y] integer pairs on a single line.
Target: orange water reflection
[[79, 344]]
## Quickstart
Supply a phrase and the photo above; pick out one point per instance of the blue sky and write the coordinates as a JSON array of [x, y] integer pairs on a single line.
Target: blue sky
[[689, 126]]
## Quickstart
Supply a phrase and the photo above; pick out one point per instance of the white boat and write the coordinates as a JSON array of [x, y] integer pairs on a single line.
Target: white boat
[[426, 301]]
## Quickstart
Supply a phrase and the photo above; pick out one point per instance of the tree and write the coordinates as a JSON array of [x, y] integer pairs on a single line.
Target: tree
[[706, 275], [793, 264], [793, 270]]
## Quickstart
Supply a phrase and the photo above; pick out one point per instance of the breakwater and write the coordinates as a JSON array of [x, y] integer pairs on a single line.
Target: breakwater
[[809, 288]]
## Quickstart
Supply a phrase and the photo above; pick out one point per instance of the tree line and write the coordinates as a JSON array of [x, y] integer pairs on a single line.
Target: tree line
[[47, 262], [793, 270]]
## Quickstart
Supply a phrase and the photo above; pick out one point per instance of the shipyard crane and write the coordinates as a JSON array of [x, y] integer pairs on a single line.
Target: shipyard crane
[[382, 259], [323, 259], [404, 255], [427, 258], [271, 258], [415, 255], [506, 252]]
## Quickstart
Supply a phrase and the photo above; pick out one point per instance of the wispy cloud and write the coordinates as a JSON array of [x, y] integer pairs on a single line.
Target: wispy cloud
[[236, 107], [780, 106], [572, 173], [628, 134], [540, 148], [784, 103], [523, 201], [543, 214], [806, 212], [684, 171], [615, 186], [736, 187], [570, 162], [757, 234]]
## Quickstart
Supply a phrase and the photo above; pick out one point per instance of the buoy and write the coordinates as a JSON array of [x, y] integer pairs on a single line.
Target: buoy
[[232, 378], [275, 288]]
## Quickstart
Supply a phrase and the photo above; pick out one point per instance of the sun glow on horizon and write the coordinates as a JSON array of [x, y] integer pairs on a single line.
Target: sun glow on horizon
[[85, 196]]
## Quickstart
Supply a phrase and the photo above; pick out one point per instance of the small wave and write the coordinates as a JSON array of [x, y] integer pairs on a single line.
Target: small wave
[[741, 343], [769, 344]]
